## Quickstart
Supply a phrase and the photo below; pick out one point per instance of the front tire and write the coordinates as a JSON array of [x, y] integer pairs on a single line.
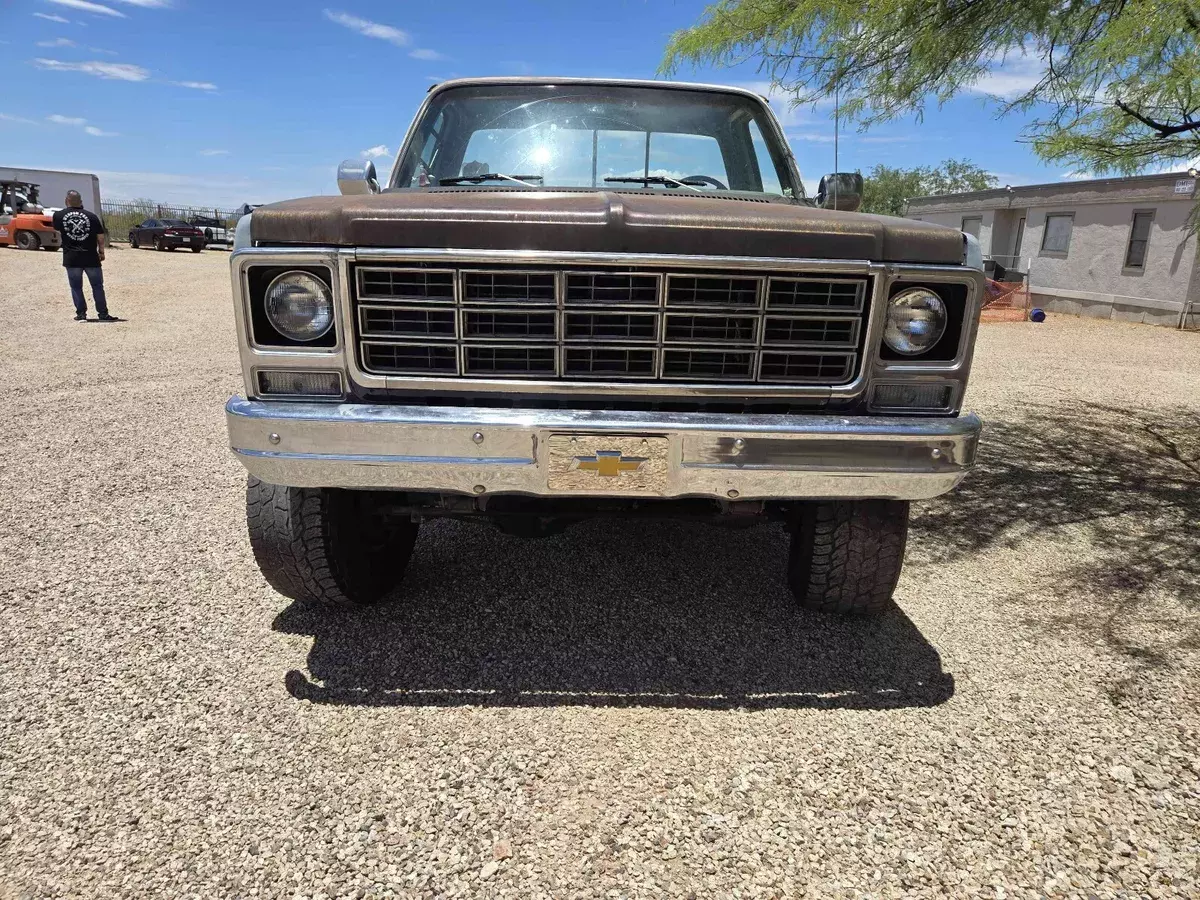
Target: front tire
[[324, 545], [27, 240], [133, 242], [846, 555]]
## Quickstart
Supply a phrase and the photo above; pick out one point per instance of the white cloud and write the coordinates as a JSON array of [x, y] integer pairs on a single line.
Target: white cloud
[[1011, 78], [113, 71], [148, 4], [5, 117], [87, 6], [214, 152], [50, 17], [367, 28], [80, 122], [423, 53], [102, 50], [57, 42], [379, 151], [816, 137], [196, 85]]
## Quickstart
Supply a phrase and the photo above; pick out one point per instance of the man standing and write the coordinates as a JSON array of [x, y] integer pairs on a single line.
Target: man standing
[[83, 251]]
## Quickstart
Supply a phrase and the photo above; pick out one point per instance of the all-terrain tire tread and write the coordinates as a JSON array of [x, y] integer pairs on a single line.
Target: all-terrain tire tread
[[847, 555], [314, 547]]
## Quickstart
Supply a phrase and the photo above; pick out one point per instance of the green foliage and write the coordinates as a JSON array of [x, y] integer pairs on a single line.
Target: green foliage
[[1119, 85], [887, 191]]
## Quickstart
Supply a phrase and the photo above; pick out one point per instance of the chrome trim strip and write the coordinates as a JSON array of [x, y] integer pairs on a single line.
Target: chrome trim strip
[[433, 448]]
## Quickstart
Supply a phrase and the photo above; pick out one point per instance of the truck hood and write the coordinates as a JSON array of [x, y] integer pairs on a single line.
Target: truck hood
[[601, 221]]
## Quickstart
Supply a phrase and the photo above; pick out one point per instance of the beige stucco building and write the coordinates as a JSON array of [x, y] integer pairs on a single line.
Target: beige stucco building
[[1117, 248]]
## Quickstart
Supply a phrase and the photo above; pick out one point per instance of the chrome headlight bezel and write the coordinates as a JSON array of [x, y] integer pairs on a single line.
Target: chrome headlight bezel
[[916, 319], [308, 289]]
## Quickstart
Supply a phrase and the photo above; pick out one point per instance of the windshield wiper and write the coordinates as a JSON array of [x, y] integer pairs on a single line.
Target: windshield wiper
[[657, 179], [492, 176]]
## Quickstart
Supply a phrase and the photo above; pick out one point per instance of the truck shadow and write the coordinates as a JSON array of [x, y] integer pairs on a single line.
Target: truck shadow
[[1122, 488], [610, 613]]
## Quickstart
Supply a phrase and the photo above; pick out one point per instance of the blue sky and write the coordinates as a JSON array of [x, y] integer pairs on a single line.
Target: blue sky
[[219, 103]]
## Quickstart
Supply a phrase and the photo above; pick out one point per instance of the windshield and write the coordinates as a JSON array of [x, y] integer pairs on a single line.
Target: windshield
[[596, 136]]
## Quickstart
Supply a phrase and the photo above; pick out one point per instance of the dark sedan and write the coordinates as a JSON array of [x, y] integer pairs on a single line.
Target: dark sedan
[[166, 234]]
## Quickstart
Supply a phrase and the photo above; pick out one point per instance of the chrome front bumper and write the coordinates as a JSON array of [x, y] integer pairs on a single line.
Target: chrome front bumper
[[489, 451]]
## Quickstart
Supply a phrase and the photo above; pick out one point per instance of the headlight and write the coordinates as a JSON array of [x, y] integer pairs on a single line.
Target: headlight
[[916, 320], [299, 306]]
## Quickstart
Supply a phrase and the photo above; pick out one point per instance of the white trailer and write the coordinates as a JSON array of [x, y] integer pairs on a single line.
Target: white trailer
[[53, 185]]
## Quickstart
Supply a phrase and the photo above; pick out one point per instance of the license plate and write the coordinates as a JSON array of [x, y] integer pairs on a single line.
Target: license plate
[[608, 463]]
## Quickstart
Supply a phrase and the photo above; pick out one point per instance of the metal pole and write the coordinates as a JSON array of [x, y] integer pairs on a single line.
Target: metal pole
[[836, 128]]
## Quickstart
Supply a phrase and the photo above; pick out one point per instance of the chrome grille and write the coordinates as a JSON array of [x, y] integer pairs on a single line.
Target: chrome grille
[[668, 326]]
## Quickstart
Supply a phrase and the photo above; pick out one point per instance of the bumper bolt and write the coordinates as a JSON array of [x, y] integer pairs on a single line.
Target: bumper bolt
[[739, 445], [273, 438], [935, 453], [479, 489], [733, 495], [477, 437]]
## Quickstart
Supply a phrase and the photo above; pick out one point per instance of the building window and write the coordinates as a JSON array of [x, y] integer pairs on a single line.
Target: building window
[[1056, 236], [971, 225], [1139, 239]]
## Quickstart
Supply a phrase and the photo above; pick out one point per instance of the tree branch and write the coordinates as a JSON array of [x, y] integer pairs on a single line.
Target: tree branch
[[1163, 130]]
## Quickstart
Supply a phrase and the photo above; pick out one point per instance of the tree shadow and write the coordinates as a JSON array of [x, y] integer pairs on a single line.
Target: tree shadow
[[1124, 486], [610, 613]]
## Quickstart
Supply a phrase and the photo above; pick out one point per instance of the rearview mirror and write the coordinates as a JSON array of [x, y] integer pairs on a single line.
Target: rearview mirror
[[357, 176], [841, 190]]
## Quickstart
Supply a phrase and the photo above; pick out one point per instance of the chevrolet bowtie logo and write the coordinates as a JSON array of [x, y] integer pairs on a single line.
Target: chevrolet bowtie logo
[[609, 463]]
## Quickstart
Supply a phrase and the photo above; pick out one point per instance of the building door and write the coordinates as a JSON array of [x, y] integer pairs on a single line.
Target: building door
[[1020, 238]]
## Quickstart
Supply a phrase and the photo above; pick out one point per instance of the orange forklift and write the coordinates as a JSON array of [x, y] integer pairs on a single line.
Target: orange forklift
[[23, 224]]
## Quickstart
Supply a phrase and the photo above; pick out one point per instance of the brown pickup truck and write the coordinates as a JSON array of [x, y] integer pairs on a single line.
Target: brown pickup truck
[[592, 297]]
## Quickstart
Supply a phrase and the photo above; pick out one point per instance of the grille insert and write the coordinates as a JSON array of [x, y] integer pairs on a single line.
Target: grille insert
[[595, 326], [810, 331], [405, 284], [710, 329], [508, 325], [410, 359], [506, 287], [611, 289], [825, 294], [512, 362], [609, 362], [711, 290], [709, 365], [390, 321], [666, 326], [817, 368]]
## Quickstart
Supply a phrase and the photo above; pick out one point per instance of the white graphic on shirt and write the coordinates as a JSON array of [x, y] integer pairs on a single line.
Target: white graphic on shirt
[[76, 225]]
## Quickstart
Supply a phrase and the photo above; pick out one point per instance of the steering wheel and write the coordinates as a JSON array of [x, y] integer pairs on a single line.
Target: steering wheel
[[707, 179]]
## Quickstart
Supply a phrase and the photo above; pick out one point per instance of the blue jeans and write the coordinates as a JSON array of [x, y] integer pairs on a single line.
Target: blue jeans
[[96, 279]]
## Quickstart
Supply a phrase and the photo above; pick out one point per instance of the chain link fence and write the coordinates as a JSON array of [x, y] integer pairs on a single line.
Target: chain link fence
[[120, 217]]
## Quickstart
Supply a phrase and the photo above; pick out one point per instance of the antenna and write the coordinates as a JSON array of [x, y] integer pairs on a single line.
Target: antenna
[[836, 123]]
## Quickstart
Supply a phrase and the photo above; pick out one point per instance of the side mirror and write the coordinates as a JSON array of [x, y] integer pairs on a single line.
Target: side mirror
[[841, 190], [357, 176]]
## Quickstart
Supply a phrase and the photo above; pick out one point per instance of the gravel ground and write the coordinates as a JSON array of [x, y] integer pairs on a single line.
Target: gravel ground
[[620, 711]]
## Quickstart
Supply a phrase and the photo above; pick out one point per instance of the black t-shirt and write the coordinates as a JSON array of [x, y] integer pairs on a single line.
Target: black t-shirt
[[79, 229]]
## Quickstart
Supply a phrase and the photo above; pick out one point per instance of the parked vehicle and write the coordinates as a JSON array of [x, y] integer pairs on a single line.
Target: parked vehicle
[[24, 224], [215, 231], [587, 297], [166, 234], [54, 184]]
